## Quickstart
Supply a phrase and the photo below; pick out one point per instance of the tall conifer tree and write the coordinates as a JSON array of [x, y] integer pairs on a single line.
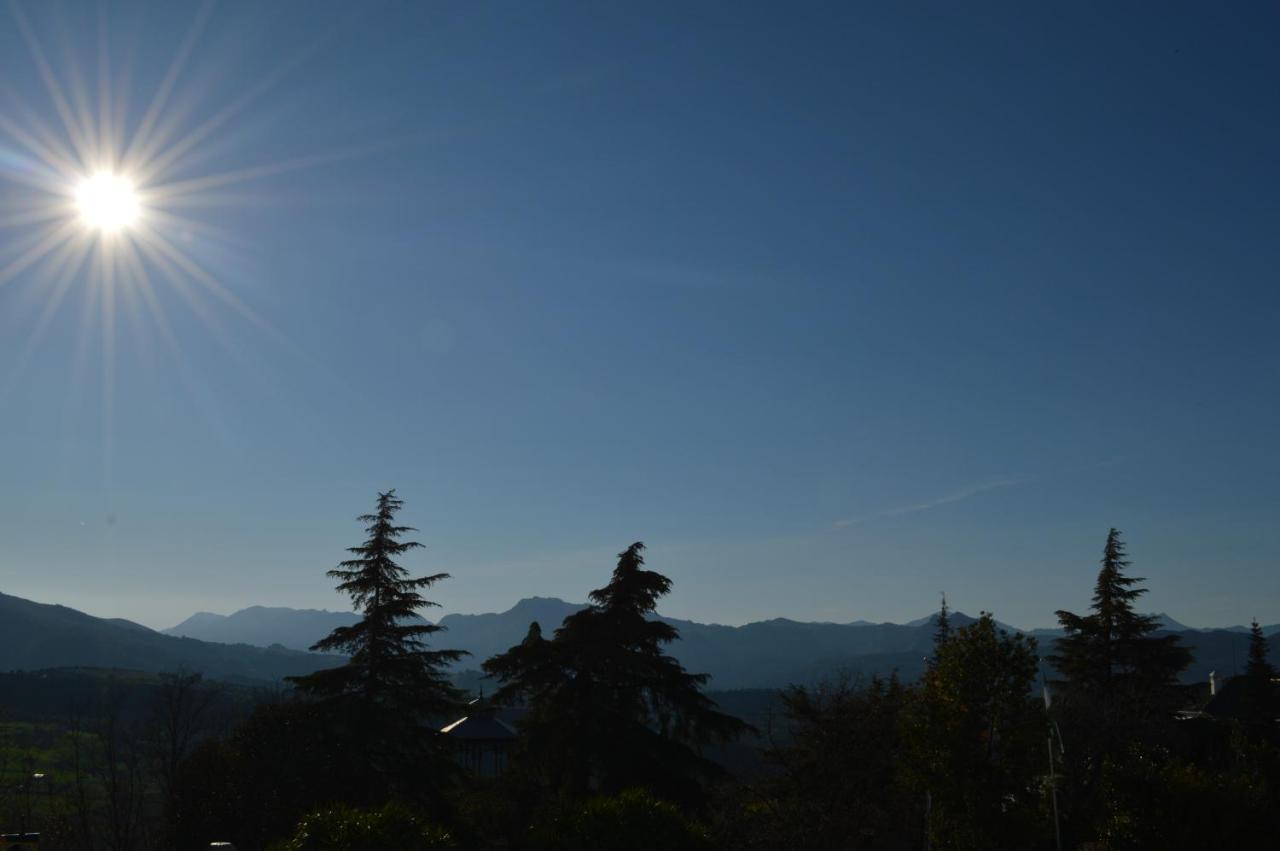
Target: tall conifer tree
[[1116, 691], [1260, 703], [390, 664], [1111, 657], [942, 629], [393, 691], [608, 709], [1258, 667]]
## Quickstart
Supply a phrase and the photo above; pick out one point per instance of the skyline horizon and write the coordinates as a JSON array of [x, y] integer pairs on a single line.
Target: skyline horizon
[[434, 614]]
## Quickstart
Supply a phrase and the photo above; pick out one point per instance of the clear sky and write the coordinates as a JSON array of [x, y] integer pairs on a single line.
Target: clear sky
[[835, 306]]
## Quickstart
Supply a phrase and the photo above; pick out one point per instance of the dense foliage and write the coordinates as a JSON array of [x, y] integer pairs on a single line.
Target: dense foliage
[[633, 820], [341, 828], [975, 740], [836, 781]]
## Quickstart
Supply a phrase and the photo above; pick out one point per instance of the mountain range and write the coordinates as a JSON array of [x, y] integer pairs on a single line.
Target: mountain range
[[262, 645], [36, 636], [762, 654]]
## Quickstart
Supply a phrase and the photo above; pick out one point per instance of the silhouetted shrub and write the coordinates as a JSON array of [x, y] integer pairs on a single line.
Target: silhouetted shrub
[[341, 828], [631, 821]]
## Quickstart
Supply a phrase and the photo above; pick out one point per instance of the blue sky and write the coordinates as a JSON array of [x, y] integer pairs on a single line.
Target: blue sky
[[836, 307]]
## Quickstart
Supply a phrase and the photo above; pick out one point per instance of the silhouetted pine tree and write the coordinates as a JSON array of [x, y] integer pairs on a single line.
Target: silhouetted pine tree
[[1110, 657], [608, 709], [1259, 688], [528, 669], [942, 631], [393, 689], [1258, 667], [1117, 692]]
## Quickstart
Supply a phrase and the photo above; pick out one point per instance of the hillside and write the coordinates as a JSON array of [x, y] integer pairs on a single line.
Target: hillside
[[38, 635]]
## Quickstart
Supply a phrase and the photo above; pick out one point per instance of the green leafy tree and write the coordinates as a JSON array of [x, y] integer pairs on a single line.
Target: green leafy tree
[[975, 741], [1155, 798], [835, 777], [1110, 658], [608, 709]]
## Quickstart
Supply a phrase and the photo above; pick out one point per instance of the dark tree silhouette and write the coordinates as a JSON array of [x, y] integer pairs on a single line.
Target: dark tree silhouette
[[974, 741], [1258, 668], [390, 664], [837, 774], [1117, 694], [528, 670], [942, 631], [1110, 657], [1260, 704], [393, 691], [608, 709]]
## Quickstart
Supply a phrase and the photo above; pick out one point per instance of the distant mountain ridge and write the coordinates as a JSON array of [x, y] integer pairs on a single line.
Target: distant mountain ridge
[[263, 626], [38, 635], [762, 654]]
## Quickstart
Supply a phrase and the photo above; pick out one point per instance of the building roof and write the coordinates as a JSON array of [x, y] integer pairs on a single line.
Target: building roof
[[480, 728], [480, 725]]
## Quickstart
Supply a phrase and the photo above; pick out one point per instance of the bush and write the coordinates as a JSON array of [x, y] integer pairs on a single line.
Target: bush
[[632, 821], [341, 828], [1155, 800]]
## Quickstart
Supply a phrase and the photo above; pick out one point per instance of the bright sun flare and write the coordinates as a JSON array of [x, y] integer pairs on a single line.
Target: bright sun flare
[[107, 202]]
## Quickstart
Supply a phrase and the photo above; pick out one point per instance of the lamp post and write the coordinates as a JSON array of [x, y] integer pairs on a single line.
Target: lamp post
[[39, 778], [33, 778]]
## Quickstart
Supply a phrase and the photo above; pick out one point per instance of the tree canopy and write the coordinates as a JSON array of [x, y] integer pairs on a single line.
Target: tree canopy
[[607, 707], [389, 698], [390, 664], [975, 740], [1111, 657]]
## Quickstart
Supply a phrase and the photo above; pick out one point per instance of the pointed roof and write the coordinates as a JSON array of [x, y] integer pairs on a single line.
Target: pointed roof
[[480, 725]]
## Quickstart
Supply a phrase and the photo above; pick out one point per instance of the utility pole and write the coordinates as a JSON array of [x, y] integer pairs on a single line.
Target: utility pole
[[1053, 793], [928, 817]]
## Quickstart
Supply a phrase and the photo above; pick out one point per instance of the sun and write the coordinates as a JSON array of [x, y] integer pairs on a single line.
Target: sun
[[107, 202]]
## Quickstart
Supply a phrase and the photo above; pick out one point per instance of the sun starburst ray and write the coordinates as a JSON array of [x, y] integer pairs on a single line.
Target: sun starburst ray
[[75, 132], [62, 278], [103, 214], [33, 216], [142, 136], [42, 142], [50, 243]]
